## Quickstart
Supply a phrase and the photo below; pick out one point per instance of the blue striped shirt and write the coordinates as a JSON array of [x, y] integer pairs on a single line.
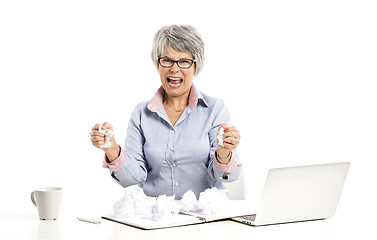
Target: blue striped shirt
[[166, 159]]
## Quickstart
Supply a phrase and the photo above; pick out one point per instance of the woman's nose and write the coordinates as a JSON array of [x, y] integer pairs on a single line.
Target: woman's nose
[[174, 68]]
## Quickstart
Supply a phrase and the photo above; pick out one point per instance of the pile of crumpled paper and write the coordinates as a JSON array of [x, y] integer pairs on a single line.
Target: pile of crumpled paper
[[135, 202]]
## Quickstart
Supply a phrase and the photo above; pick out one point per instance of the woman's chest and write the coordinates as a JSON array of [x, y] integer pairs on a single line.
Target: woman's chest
[[186, 143]]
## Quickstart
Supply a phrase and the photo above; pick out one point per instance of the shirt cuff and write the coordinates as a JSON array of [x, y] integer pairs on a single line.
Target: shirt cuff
[[230, 167], [116, 164]]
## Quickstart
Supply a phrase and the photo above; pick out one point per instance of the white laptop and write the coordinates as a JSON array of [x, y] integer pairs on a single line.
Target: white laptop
[[296, 194]]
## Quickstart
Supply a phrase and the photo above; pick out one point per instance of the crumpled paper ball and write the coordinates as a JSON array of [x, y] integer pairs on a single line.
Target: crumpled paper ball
[[213, 200], [220, 136], [164, 207], [133, 202], [189, 202], [136, 202], [108, 134]]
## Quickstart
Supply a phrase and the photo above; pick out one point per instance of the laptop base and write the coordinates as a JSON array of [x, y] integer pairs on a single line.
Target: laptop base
[[250, 220]]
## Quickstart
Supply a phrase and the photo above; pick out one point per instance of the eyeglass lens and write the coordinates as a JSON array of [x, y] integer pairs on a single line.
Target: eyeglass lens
[[182, 63]]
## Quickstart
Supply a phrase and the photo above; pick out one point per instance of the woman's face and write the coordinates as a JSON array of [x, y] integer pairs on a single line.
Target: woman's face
[[175, 80]]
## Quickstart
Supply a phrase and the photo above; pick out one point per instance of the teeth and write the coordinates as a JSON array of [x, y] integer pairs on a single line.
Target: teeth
[[174, 79], [175, 84]]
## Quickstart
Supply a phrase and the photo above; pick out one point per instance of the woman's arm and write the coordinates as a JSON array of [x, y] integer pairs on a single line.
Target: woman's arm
[[224, 164], [128, 166]]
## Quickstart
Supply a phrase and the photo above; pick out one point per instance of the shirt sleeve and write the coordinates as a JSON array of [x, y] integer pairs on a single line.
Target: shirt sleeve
[[222, 172], [116, 164], [130, 167], [230, 167]]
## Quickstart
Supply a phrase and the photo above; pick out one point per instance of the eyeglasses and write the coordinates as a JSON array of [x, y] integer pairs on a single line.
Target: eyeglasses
[[183, 63]]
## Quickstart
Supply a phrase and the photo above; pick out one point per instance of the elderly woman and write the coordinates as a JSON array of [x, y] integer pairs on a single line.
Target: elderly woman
[[172, 145]]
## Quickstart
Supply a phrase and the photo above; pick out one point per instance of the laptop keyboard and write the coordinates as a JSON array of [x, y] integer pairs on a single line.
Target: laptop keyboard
[[250, 217]]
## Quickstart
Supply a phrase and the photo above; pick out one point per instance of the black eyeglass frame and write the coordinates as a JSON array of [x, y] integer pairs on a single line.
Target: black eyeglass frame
[[177, 62]]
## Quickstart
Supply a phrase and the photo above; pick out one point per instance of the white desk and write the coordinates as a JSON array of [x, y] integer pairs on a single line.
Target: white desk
[[27, 226]]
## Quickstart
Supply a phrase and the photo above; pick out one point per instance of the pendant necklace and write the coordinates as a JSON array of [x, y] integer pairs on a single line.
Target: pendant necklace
[[179, 110]]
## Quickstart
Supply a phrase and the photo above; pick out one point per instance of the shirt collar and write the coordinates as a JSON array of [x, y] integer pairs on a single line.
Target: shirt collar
[[194, 97]]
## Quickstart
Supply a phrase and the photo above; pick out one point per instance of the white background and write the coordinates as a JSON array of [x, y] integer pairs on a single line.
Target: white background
[[299, 78]]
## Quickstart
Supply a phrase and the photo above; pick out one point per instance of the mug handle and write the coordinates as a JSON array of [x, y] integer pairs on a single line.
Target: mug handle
[[33, 199]]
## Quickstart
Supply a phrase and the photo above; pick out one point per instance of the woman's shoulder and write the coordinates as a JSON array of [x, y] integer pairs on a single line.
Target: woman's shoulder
[[140, 110], [141, 106], [209, 100]]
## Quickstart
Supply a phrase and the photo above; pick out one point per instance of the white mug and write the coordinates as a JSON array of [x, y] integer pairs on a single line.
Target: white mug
[[47, 200]]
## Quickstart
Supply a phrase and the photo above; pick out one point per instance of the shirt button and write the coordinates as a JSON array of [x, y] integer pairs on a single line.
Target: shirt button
[[172, 148], [172, 131], [176, 183], [174, 165]]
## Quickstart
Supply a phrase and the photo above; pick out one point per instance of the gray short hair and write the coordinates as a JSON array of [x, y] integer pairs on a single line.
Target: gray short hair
[[183, 38]]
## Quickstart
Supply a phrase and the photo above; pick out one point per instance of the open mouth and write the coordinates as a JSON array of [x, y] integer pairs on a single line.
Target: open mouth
[[174, 82]]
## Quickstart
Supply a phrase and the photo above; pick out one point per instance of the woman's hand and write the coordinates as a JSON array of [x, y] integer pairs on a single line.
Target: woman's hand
[[231, 140], [98, 139]]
